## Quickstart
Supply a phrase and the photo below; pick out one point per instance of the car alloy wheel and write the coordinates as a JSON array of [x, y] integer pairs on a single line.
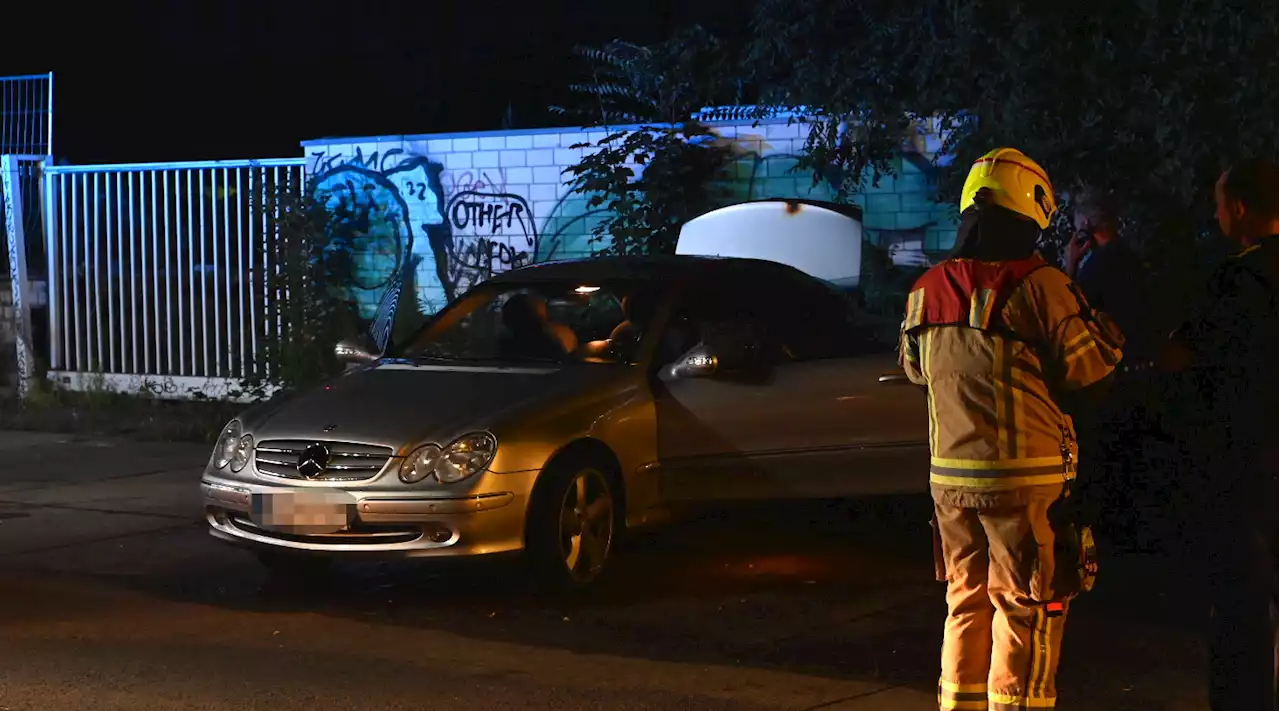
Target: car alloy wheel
[[586, 525], [573, 519]]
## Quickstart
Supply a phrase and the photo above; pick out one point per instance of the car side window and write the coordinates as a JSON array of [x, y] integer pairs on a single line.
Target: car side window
[[812, 321], [799, 319], [718, 300]]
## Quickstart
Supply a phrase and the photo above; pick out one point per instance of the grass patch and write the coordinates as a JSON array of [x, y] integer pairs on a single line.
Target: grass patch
[[102, 413]]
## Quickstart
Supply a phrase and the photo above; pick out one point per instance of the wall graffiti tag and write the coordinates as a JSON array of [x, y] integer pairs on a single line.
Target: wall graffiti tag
[[492, 232], [481, 182], [396, 210], [387, 210]]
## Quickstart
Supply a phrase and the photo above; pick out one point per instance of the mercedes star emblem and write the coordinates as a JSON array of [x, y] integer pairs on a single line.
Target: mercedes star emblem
[[313, 460]]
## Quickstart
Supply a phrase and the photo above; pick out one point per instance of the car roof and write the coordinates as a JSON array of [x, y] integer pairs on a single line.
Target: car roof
[[651, 267]]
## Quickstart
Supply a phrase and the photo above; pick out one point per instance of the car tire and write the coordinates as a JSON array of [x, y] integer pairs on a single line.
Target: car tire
[[573, 524], [294, 566]]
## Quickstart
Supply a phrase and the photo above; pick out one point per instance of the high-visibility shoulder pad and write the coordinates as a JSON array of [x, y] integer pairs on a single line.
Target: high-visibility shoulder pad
[[966, 292]]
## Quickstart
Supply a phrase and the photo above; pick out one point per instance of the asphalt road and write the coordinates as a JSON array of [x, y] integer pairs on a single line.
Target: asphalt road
[[113, 597]]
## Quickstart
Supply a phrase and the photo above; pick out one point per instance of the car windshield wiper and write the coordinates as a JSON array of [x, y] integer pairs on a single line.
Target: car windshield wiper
[[517, 358], [434, 355]]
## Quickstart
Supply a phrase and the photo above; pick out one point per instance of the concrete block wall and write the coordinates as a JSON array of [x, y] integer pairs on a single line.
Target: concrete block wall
[[465, 206]]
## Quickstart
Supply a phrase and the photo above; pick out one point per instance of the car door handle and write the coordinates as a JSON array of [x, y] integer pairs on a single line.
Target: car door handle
[[895, 379]]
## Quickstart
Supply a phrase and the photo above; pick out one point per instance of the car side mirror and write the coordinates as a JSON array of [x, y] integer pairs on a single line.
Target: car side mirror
[[727, 350], [737, 347], [697, 363], [355, 351]]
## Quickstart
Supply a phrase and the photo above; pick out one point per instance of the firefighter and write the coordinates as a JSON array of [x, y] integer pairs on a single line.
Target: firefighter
[[1230, 349], [1006, 348]]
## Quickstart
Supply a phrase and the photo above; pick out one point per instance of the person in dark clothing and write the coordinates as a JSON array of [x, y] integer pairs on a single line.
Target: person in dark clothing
[[1230, 350], [1118, 438], [1110, 274]]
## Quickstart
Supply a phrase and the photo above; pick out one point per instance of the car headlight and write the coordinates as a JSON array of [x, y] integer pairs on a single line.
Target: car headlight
[[420, 464], [244, 450], [228, 442], [468, 455]]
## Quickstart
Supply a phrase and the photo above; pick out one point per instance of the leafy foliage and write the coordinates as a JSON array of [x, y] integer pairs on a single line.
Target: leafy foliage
[[662, 83], [678, 160], [308, 309], [1149, 99], [678, 183], [846, 65]]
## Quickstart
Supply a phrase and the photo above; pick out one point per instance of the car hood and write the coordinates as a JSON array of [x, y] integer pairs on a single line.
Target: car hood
[[401, 403]]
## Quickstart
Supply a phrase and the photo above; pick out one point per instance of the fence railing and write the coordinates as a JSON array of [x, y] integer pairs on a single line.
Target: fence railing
[[26, 192], [26, 114], [24, 248], [159, 273]]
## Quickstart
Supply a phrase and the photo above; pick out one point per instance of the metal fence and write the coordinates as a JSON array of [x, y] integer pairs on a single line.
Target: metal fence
[[26, 115], [27, 194], [159, 273], [23, 249]]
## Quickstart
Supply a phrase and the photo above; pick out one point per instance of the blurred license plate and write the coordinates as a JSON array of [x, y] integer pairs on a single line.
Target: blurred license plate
[[304, 511]]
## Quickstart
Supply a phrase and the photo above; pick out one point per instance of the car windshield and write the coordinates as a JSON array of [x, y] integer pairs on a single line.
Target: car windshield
[[556, 321]]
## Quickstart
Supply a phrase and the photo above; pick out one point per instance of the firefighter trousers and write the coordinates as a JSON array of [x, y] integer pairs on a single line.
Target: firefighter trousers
[[1001, 645]]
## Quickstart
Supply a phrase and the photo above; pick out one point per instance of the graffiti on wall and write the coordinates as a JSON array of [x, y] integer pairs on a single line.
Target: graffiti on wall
[[388, 209], [430, 233], [567, 231], [405, 220], [493, 229]]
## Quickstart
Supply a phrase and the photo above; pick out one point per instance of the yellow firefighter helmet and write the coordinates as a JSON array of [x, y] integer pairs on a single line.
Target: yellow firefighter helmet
[[1016, 182]]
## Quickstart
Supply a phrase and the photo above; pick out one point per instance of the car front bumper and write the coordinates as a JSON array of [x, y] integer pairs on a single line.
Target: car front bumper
[[384, 524]]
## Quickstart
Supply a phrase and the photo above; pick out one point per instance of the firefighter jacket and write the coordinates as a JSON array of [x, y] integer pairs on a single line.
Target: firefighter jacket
[[997, 344]]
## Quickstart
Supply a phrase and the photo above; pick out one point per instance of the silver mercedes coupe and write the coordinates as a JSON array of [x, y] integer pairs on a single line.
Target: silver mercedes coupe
[[555, 406]]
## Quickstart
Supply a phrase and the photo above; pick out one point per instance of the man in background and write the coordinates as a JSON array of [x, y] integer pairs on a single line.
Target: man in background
[[1229, 348]]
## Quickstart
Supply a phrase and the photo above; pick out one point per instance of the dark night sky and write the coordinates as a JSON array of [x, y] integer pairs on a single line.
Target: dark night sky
[[148, 80]]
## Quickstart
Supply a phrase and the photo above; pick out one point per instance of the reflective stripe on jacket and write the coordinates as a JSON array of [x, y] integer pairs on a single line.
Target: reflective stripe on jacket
[[996, 343]]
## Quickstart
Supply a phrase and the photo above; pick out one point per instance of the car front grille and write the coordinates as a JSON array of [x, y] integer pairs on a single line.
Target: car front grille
[[347, 461]]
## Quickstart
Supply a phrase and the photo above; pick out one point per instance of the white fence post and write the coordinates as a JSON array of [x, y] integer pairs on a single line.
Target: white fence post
[[11, 185]]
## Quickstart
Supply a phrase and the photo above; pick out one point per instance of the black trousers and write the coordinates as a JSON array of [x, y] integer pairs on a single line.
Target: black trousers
[[1241, 567]]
